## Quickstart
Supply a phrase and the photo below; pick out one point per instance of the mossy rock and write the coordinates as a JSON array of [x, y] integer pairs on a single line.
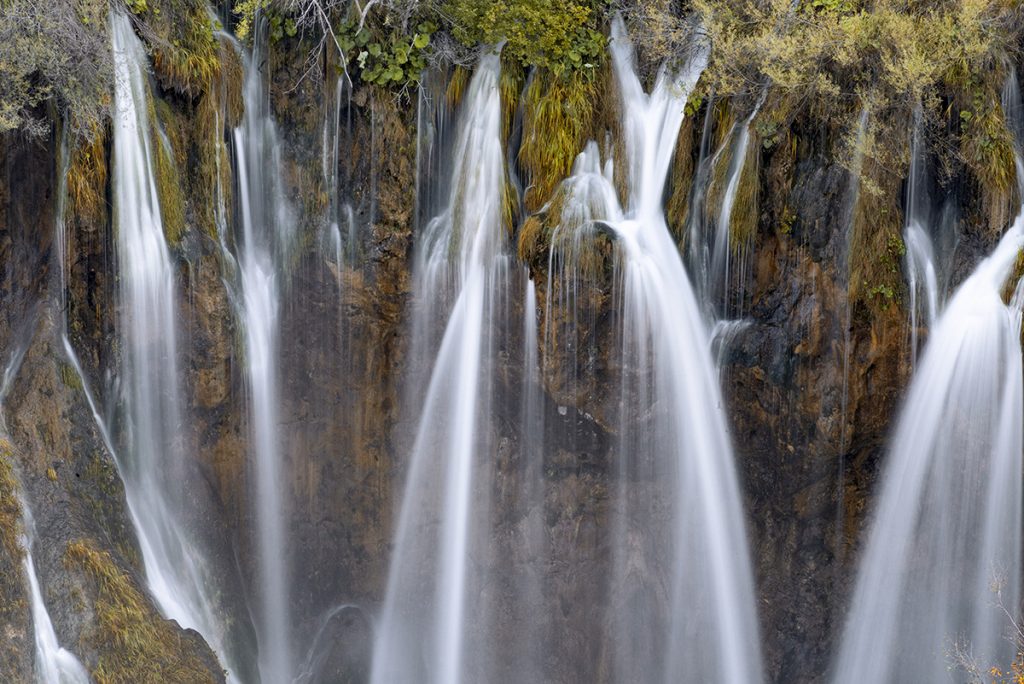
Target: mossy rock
[[133, 642]]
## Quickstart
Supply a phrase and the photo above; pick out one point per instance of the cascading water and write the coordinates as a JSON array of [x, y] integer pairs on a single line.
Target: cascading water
[[944, 552], [723, 247], [1013, 109], [922, 281], [153, 465], [700, 240], [673, 429], [682, 596], [54, 663], [425, 631], [266, 224]]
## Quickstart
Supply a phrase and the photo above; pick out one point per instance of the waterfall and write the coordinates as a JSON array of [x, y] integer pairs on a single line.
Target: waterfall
[[700, 241], [54, 664], [720, 256], [153, 465], [673, 427], [424, 629], [922, 281], [682, 594], [266, 224], [944, 547], [1013, 109]]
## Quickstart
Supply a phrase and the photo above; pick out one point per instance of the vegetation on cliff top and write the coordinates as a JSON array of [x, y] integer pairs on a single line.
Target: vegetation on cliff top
[[53, 51]]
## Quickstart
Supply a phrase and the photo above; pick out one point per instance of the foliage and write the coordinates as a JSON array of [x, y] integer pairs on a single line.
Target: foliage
[[135, 644], [280, 27], [557, 118], [558, 35], [182, 42], [53, 50], [87, 177], [385, 58], [246, 12], [844, 53]]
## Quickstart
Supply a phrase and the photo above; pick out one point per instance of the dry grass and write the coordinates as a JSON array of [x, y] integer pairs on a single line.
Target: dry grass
[[10, 508], [135, 644], [87, 178]]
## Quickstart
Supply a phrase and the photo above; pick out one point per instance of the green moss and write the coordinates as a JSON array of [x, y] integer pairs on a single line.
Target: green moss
[[745, 207], [457, 85], [134, 643], [69, 376], [719, 176], [876, 247], [510, 88], [217, 112], [678, 205], [87, 178], [551, 230], [987, 148], [169, 190], [557, 120], [534, 240], [186, 54], [786, 220]]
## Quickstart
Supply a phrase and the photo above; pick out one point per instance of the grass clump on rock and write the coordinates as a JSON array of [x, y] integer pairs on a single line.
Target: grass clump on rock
[[134, 643]]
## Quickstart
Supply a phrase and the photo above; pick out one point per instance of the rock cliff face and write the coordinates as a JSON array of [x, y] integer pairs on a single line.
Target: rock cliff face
[[55, 458], [812, 385]]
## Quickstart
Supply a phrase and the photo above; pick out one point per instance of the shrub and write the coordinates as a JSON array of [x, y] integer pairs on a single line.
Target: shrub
[[58, 51], [559, 35]]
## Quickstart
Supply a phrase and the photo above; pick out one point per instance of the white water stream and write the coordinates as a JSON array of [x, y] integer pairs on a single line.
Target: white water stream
[[266, 232], [423, 630], [153, 466], [944, 554]]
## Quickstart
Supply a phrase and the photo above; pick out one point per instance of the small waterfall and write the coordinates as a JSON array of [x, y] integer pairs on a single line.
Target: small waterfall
[[425, 633], [529, 650], [153, 465], [673, 430], [339, 238], [944, 552], [723, 247], [682, 594], [922, 282], [700, 241], [266, 224], [54, 663]]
